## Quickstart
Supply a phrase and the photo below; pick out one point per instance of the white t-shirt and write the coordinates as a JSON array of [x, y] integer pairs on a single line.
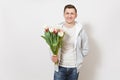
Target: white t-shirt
[[68, 54]]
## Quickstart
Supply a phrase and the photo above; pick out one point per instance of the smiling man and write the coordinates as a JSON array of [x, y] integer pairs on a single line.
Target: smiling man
[[74, 48]]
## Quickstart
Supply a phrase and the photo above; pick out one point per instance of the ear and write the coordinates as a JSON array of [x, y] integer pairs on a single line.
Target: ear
[[76, 15]]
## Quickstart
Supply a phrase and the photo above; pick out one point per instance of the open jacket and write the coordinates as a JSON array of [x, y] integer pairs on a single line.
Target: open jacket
[[80, 45]]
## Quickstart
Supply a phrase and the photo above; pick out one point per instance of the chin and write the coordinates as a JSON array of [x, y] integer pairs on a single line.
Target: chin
[[69, 22]]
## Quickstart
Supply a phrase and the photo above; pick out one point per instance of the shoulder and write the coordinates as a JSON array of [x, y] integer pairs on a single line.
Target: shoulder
[[79, 27], [78, 24], [59, 25]]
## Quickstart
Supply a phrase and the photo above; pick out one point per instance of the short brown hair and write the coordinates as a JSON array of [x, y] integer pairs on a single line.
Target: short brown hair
[[70, 6]]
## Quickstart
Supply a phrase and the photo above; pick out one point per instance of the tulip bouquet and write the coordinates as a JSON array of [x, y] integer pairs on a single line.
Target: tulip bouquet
[[53, 36]]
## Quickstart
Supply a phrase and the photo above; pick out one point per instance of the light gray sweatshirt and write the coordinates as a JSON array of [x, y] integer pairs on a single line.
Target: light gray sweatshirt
[[80, 45]]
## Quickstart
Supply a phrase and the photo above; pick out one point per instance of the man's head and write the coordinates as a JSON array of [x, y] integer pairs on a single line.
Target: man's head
[[70, 13]]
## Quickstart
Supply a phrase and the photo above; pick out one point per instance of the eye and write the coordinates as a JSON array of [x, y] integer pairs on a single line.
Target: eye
[[72, 13], [67, 13]]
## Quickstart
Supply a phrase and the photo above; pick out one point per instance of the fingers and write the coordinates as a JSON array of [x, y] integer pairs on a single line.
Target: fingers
[[55, 59]]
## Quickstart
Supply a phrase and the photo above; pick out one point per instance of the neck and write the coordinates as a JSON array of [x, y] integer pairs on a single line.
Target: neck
[[70, 25]]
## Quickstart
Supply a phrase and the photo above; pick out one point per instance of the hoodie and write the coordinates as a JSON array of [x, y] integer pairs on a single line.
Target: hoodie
[[80, 45]]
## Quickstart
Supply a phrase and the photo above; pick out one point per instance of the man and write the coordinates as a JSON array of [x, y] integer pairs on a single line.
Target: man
[[74, 49]]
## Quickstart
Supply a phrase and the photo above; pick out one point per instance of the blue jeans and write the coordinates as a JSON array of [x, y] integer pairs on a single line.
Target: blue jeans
[[66, 74]]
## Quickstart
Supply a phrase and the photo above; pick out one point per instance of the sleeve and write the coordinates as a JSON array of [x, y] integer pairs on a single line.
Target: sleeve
[[84, 43], [50, 51]]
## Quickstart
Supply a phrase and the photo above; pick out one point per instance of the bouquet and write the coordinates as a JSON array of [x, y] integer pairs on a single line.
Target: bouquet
[[53, 36]]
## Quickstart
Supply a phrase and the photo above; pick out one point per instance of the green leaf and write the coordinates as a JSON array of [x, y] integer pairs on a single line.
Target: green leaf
[[43, 37], [54, 41]]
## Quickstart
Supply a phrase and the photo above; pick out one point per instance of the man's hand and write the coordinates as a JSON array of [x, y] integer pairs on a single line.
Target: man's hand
[[55, 58]]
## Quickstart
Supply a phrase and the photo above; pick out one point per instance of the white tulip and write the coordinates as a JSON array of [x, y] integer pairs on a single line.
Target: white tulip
[[61, 33], [51, 29]]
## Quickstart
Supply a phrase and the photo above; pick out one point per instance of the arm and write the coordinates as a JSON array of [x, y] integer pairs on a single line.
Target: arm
[[84, 43]]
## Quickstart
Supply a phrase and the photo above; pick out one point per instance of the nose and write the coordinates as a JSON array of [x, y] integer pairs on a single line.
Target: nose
[[69, 15]]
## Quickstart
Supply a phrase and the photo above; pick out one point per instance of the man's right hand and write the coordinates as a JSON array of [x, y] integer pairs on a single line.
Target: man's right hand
[[55, 58]]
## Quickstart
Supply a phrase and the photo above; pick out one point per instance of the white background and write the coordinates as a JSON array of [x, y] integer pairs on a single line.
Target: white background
[[24, 54]]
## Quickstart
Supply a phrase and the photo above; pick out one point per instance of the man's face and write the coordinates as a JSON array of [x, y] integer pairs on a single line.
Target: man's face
[[70, 15]]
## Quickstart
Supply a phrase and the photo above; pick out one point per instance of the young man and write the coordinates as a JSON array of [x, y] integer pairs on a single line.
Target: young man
[[74, 49]]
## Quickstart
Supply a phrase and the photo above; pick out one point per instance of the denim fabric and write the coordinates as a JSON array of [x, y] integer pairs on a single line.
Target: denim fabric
[[66, 74]]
